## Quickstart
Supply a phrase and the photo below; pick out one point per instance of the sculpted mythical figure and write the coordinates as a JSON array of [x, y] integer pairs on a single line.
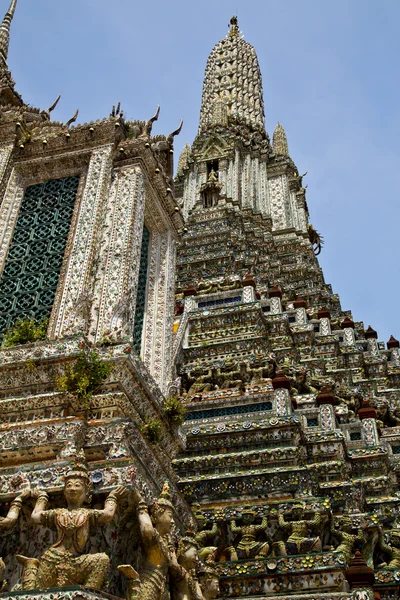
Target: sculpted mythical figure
[[392, 548], [185, 585], [300, 384], [157, 547], [9, 521], [299, 540], [65, 563], [209, 580], [248, 547], [204, 536], [345, 531]]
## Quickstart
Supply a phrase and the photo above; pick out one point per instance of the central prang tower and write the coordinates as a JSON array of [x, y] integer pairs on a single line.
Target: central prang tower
[[232, 169], [292, 405]]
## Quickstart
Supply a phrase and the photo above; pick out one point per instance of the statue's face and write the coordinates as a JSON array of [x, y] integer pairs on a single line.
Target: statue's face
[[191, 555], [347, 525], [165, 521], [212, 588], [247, 518], [75, 491], [298, 512]]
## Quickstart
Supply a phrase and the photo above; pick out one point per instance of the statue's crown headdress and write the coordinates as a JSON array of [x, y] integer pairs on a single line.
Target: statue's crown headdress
[[189, 539], [208, 569], [249, 511], [79, 469], [164, 499]]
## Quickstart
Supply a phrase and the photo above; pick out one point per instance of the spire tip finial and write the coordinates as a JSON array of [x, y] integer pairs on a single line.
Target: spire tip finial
[[234, 27], [279, 140]]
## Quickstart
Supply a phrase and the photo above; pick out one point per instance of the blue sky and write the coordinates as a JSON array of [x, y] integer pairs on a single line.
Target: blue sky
[[330, 75]]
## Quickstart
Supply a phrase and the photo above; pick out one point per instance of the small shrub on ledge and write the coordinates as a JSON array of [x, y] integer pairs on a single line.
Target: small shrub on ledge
[[175, 410], [84, 377], [25, 331], [152, 430]]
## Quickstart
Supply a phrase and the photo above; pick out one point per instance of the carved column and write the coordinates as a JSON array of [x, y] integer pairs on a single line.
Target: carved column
[[119, 254], [76, 297], [157, 334], [9, 213]]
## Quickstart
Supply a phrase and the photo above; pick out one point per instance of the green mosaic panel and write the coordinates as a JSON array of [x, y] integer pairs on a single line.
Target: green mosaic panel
[[141, 291], [32, 267]]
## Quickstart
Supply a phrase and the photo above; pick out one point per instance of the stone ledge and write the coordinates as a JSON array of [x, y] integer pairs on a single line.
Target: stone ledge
[[66, 593]]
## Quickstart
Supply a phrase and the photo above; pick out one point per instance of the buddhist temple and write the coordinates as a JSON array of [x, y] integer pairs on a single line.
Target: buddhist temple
[[186, 411]]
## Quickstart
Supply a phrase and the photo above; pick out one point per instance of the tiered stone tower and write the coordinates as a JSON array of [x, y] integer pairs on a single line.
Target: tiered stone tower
[[293, 406]]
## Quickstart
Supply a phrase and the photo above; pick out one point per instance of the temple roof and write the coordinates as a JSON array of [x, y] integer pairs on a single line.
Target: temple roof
[[233, 75]]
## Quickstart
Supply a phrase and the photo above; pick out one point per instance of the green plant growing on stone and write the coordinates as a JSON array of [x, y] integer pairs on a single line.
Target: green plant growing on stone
[[84, 376], [175, 410], [151, 430], [24, 331]]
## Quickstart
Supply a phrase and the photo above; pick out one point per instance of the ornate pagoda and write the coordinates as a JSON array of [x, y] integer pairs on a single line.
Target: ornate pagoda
[[283, 479], [293, 406]]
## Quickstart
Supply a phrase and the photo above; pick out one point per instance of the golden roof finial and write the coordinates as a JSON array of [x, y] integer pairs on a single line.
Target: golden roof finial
[[234, 28]]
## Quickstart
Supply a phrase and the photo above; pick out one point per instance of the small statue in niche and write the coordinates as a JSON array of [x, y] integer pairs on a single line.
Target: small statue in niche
[[9, 521], [211, 190], [157, 547], [65, 563], [204, 536], [299, 540], [344, 529], [185, 585], [248, 546]]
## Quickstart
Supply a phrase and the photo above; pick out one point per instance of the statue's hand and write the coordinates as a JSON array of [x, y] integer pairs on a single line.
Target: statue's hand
[[36, 492], [25, 494], [174, 560], [120, 492]]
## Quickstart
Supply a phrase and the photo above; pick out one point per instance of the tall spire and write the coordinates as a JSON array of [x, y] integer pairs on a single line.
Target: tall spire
[[279, 141], [233, 80], [5, 31]]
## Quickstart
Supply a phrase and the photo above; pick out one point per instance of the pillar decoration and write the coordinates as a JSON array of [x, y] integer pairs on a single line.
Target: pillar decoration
[[76, 298], [327, 420], [9, 213], [5, 153], [275, 296], [281, 385], [249, 294], [119, 253], [301, 316], [348, 331]]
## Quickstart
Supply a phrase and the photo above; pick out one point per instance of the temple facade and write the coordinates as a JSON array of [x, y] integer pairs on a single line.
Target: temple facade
[[186, 412]]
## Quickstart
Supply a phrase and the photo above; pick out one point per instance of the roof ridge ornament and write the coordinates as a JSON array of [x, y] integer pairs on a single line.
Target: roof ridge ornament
[[5, 31]]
